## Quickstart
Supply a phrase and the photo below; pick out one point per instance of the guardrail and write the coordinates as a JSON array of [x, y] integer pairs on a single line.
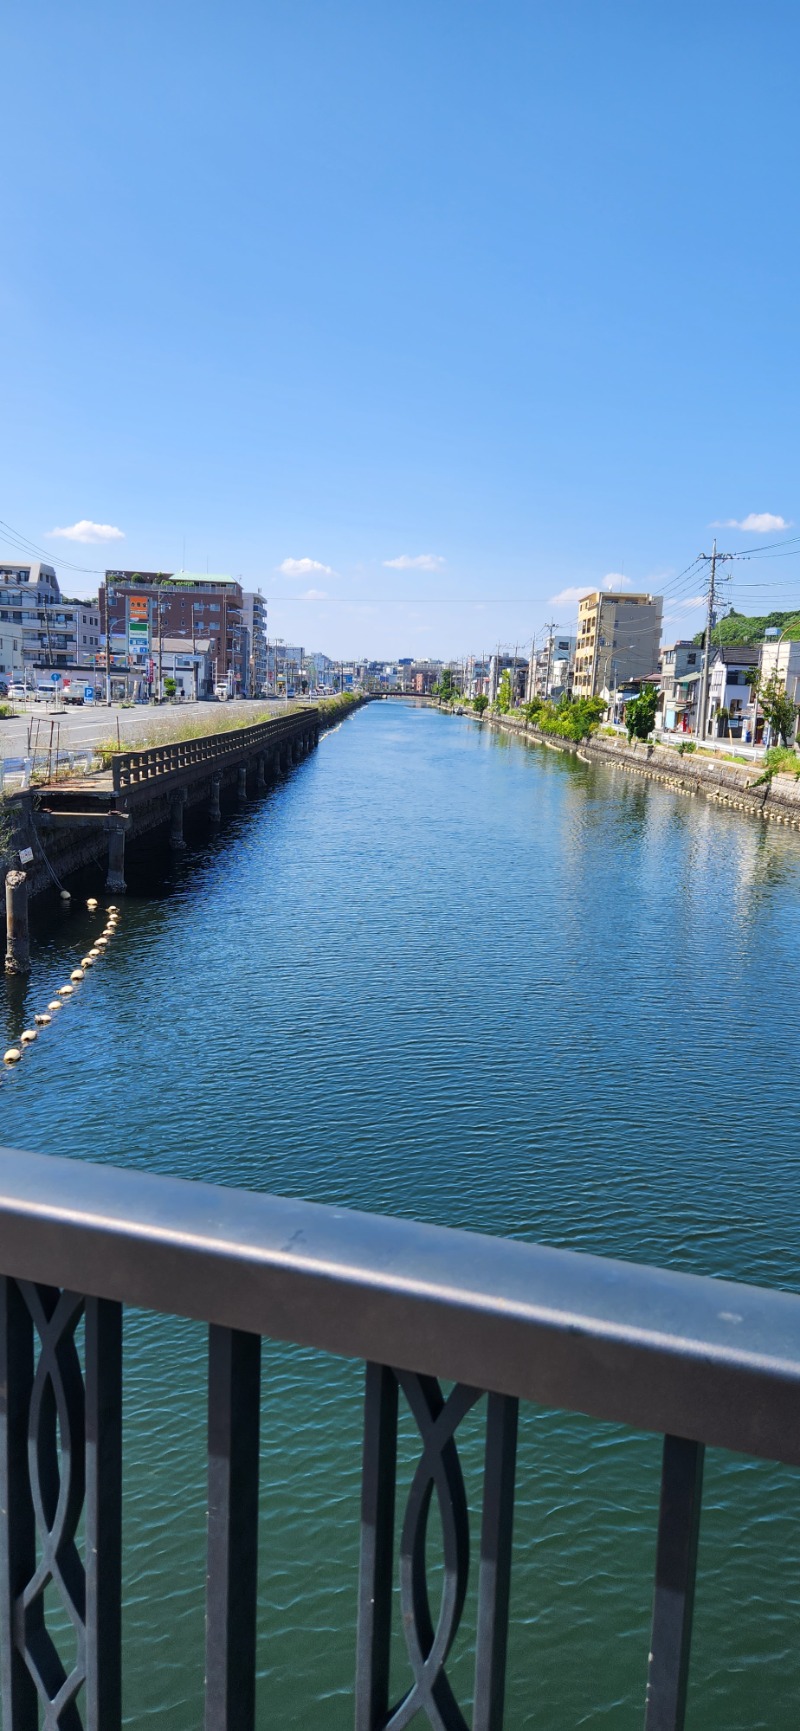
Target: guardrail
[[131, 768], [699, 1360]]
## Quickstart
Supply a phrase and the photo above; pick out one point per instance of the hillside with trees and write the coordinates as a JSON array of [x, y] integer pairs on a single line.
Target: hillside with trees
[[741, 628]]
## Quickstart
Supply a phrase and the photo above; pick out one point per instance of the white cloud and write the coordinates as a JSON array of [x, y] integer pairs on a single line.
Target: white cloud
[[615, 580], [755, 523], [416, 562], [314, 595], [572, 594], [304, 568], [88, 532]]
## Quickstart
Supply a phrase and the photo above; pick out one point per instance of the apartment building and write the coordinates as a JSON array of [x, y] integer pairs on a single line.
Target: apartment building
[[618, 640], [145, 606], [10, 654], [254, 617]]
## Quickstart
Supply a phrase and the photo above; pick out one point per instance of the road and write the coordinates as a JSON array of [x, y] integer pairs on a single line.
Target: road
[[78, 729]]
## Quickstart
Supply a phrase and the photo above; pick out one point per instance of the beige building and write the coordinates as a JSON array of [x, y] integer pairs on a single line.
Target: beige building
[[618, 639]]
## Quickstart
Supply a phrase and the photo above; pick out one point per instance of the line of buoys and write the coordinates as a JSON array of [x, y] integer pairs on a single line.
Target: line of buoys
[[43, 1020]]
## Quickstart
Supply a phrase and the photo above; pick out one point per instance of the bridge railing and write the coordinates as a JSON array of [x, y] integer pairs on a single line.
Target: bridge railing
[[153, 763], [698, 1360]]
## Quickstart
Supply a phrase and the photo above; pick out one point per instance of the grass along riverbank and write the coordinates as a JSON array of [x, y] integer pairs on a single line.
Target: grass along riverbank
[[169, 728]]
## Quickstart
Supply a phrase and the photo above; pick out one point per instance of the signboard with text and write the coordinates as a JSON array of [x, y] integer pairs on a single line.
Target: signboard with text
[[139, 607]]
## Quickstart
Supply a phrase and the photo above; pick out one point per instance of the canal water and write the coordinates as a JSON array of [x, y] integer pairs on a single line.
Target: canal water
[[439, 973]]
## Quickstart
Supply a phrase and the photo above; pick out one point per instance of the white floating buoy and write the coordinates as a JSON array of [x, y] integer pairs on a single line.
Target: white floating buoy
[[91, 904], [29, 1036], [111, 909], [65, 991], [42, 1021], [101, 943], [55, 1005], [65, 896], [94, 954], [87, 961], [77, 974], [12, 1056]]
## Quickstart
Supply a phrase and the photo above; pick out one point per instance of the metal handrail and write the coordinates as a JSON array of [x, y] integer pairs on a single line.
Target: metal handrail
[[649, 1347], [130, 768], [700, 1360]]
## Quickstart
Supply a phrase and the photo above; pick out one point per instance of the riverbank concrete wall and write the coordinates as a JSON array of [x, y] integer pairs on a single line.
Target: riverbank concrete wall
[[736, 785]]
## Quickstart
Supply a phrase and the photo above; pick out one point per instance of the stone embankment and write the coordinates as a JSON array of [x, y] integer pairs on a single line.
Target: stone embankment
[[730, 784]]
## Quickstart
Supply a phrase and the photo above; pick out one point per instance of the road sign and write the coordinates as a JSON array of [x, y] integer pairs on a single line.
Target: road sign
[[88, 694], [55, 678]]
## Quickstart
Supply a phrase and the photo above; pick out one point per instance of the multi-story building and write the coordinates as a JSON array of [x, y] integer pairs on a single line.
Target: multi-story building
[[782, 656], [518, 670], [254, 617], [550, 669], [681, 664], [145, 606], [10, 653], [730, 675], [30, 600], [618, 640]]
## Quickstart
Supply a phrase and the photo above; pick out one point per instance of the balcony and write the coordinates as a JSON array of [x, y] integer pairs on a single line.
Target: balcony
[[696, 1360]]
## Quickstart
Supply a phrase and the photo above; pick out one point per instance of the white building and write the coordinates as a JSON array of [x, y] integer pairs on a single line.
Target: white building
[[254, 618], [782, 656], [729, 681], [10, 653]]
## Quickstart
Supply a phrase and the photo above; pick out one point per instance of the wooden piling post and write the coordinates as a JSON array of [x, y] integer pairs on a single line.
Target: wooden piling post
[[18, 952], [261, 782], [242, 784], [214, 810]]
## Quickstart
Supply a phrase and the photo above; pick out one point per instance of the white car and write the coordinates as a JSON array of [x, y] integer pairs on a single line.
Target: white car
[[17, 694]]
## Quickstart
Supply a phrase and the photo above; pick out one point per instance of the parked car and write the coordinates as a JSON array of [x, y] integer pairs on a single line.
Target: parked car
[[73, 694], [17, 694]]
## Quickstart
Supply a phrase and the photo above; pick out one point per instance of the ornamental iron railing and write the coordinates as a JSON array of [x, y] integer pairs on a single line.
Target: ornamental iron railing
[[698, 1360]]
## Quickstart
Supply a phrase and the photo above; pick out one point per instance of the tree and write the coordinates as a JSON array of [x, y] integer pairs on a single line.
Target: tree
[[170, 687], [447, 690], [480, 703], [780, 710], [640, 713], [502, 701]]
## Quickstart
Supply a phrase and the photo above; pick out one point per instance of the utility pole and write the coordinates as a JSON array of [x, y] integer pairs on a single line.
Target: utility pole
[[160, 644], [108, 643], [713, 558], [550, 629]]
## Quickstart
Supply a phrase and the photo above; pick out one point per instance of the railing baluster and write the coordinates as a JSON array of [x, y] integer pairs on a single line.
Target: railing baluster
[[494, 1578], [17, 1523], [377, 1547], [103, 1328], [234, 1388], [673, 1600]]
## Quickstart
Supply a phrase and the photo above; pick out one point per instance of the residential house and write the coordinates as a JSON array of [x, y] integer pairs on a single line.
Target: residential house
[[677, 660], [729, 682]]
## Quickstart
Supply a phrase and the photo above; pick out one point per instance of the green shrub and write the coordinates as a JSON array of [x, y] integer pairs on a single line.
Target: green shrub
[[685, 745], [480, 704], [781, 760]]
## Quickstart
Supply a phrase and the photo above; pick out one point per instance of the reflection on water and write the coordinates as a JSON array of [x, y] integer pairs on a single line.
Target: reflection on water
[[442, 973]]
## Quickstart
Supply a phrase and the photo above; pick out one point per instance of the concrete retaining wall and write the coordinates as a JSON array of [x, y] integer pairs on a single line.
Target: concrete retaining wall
[[731, 784]]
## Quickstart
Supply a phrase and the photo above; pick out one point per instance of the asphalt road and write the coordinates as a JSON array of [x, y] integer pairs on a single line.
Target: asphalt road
[[78, 729]]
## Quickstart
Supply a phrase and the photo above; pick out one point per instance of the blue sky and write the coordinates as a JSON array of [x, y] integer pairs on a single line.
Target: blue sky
[[509, 289]]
